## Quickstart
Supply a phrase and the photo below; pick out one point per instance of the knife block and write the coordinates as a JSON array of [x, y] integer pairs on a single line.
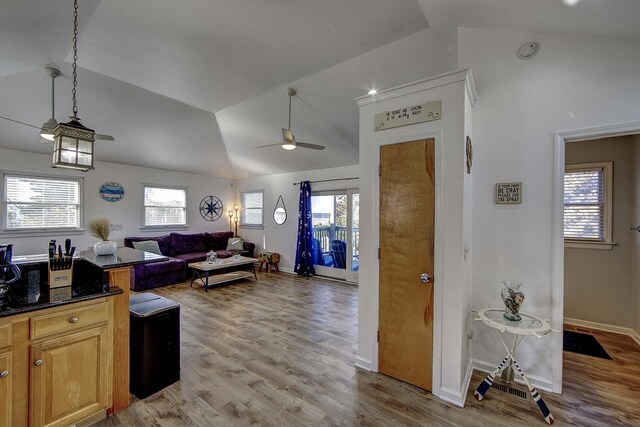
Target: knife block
[[60, 278]]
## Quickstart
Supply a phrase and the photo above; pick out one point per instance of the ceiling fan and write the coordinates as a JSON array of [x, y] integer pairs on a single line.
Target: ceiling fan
[[288, 140], [47, 128]]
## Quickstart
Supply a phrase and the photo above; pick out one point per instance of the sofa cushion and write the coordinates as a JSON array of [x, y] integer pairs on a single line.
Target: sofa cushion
[[163, 242], [224, 254], [235, 244], [186, 243], [163, 267], [148, 246], [193, 257], [217, 241]]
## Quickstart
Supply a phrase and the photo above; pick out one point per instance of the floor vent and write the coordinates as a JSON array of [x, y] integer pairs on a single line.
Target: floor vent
[[509, 390]]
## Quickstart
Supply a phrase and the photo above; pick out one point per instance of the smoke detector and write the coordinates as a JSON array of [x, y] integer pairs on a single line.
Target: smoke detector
[[528, 50]]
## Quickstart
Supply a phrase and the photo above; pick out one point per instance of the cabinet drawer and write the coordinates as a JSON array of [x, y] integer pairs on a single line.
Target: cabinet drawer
[[5, 335], [68, 320]]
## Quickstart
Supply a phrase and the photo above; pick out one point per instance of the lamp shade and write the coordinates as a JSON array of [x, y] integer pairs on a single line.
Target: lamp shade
[[73, 146]]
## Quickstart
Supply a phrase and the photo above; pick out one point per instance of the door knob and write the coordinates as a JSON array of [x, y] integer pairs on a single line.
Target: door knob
[[4, 374], [38, 362], [425, 278]]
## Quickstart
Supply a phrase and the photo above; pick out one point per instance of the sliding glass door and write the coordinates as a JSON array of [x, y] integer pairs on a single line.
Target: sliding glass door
[[336, 233]]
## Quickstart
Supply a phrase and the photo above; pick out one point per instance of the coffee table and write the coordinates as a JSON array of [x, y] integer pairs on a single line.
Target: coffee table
[[211, 273]]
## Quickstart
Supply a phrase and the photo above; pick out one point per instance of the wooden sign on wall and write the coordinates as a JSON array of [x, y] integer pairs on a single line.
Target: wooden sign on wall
[[426, 112]]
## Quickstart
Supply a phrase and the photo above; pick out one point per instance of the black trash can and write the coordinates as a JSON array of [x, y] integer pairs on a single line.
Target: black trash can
[[155, 343]]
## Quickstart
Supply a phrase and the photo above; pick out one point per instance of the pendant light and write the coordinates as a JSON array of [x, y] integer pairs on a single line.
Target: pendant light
[[73, 142]]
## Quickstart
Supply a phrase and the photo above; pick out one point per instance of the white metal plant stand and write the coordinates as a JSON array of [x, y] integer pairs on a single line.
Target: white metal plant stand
[[529, 325]]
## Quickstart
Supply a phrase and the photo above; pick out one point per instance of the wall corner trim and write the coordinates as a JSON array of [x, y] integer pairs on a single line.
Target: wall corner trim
[[459, 397], [363, 363]]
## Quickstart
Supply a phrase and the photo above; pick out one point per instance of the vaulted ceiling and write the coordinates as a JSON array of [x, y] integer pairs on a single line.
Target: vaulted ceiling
[[196, 85]]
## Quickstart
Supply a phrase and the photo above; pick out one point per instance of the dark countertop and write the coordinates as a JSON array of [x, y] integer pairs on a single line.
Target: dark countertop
[[124, 257], [78, 295]]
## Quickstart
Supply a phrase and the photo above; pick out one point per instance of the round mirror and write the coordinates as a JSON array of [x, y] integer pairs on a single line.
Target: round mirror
[[279, 215]]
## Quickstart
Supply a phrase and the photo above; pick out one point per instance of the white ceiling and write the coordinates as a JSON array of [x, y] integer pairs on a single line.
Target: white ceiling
[[195, 85]]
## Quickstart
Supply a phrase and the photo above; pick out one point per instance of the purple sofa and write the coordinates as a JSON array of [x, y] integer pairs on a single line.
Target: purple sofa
[[182, 250]]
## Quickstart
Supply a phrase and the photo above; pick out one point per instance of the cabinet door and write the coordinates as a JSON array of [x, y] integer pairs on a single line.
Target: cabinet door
[[69, 378], [5, 389]]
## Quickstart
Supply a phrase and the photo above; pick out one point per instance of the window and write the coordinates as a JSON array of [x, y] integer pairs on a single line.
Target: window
[[40, 202], [588, 202], [165, 206], [251, 215]]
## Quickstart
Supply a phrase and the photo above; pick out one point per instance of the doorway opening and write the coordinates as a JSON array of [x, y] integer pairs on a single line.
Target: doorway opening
[[336, 233]]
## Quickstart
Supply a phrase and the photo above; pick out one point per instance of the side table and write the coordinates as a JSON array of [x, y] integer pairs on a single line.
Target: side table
[[529, 325], [270, 261]]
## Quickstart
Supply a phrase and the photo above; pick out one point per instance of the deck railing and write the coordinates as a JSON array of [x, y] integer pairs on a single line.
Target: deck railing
[[326, 234]]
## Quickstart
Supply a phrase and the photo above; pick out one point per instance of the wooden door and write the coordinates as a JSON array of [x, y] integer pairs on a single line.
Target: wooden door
[[5, 389], [69, 378], [407, 199]]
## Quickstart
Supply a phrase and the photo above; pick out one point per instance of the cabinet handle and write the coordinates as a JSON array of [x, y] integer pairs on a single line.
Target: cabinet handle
[[38, 362], [73, 320], [4, 374]]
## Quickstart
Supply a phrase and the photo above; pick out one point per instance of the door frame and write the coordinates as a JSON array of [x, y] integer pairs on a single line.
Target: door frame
[[438, 244], [557, 238]]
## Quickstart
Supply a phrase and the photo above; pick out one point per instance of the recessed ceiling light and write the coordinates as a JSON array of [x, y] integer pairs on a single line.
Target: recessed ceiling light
[[571, 2], [373, 92]]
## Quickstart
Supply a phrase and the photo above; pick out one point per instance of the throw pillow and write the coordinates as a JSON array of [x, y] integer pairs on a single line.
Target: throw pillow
[[148, 246], [235, 244]]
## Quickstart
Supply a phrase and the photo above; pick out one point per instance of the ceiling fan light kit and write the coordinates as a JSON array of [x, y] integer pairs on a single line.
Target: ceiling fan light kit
[[48, 127], [73, 142], [288, 140]]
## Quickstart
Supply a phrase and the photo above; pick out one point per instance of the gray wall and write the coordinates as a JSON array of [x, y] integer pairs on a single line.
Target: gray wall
[[598, 282], [635, 236]]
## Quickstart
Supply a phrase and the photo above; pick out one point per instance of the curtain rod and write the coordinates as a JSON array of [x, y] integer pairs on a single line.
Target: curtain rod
[[329, 180]]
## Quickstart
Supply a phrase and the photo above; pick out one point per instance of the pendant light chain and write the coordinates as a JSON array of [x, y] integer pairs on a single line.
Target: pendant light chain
[[75, 57]]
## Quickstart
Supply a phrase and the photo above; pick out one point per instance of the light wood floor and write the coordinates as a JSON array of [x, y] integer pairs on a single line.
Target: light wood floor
[[281, 353]]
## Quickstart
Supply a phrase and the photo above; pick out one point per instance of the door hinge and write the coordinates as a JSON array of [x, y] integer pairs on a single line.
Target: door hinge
[[379, 170], [378, 253], [378, 336]]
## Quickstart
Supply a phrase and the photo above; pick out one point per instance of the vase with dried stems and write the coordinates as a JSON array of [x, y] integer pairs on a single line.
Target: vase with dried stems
[[100, 227]]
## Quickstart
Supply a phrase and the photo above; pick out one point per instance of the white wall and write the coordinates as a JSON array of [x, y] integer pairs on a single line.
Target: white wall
[[127, 211], [451, 271], [635, 246], [597, 283], [282, 238], [574, 82]]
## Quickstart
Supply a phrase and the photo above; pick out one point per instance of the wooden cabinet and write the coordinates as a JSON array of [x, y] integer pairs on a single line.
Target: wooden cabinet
[[59, 363], [5, 388], [69, 378]]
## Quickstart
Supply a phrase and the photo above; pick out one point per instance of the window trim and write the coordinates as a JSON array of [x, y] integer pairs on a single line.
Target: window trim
[[37, 232], [607, 243], [242, 208], [184, 226]]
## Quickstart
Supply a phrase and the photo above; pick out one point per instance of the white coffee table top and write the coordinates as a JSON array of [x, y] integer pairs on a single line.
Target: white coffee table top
[[223, 263]]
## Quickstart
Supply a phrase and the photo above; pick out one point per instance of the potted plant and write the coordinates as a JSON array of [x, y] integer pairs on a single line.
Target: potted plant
[[100, 227]]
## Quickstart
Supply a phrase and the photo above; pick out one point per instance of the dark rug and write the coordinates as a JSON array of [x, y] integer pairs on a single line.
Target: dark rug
[[576, 342]]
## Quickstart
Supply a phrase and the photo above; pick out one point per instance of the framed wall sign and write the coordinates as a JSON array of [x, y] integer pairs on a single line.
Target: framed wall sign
[[408, 115], [111, 191], [508, 193]]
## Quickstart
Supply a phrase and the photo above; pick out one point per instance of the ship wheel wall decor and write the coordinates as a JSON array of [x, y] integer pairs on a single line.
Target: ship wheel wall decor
[[211, 208]]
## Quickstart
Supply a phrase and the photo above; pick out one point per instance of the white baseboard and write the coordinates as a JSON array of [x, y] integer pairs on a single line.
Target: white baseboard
[[540, 383], [599, 326], [458, 397], [363, 363], [604, 327]]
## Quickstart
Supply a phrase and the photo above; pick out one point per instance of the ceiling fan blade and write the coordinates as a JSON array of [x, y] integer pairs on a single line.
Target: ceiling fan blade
[[21, 123], [286, 134], [312, 146], [269, 145], [102, 137]]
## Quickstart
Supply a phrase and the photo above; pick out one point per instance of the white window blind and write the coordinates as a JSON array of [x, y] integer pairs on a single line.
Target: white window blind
[[252, 204], [164, 206], [34, 202], [585, 204]]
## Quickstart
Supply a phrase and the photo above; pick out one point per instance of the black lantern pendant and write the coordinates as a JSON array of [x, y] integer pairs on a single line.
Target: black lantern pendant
[[73, 142]]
